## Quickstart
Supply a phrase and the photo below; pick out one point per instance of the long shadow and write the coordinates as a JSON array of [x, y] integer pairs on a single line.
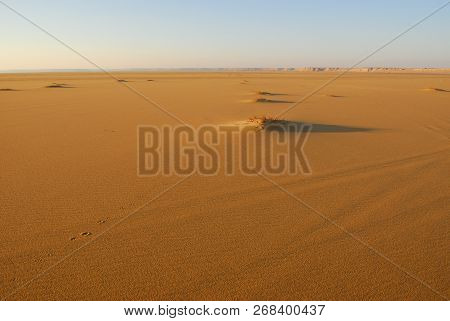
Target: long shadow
[[266, 93], [293, 126], [59, 85], [334, 96], [441, 90], [272, 101]]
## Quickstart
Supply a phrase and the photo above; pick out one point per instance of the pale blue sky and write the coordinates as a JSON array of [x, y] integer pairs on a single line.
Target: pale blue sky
[[201, 33]]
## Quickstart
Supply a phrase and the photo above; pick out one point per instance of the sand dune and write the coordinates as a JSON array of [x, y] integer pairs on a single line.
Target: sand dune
[[380, 159]]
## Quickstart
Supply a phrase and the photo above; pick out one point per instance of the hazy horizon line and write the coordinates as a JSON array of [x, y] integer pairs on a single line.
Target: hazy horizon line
[[143, 69]]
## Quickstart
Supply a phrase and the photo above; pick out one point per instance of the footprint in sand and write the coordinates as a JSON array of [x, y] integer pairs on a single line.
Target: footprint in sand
[[85, 234]]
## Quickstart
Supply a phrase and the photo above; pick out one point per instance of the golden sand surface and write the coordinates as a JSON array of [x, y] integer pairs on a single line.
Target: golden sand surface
[[380, 170]]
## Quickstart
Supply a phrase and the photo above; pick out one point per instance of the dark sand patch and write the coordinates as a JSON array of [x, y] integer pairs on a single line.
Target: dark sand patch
[[267, 93], [272, 101], [437, 89], [58, 85], [333, 96]]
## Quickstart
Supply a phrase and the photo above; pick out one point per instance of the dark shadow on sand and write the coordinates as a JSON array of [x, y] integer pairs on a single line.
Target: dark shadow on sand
[[266, 93], [293, 126], [272, 101], [441, 90], [58, 85]]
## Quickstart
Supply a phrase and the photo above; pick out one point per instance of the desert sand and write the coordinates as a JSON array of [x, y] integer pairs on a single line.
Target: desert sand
[[380, 162]]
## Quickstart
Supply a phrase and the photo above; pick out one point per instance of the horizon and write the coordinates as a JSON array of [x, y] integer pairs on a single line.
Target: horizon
[[216, 69]]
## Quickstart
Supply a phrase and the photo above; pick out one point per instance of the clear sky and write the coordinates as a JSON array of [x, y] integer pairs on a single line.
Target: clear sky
[[213, 33]]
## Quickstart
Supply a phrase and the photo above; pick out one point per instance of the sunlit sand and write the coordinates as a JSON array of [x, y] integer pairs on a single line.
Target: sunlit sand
[[379, 151]]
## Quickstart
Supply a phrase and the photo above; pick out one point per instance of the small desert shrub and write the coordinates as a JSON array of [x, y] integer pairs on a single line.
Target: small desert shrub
[[260, 122]]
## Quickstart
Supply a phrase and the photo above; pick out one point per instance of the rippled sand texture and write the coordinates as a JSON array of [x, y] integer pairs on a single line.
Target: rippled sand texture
[[379, 151]]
